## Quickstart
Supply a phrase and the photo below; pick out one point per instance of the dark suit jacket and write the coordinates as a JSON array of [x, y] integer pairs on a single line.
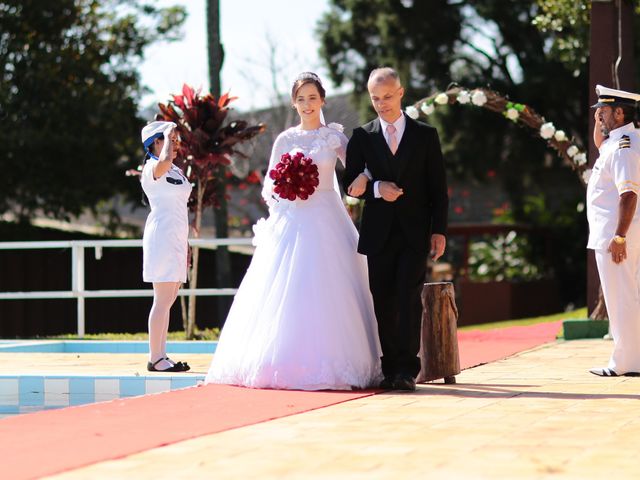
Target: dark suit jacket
[[417, 168]]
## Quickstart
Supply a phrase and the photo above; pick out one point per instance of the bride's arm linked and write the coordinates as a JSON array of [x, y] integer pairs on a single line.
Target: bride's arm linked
[[358, 186], [356, 166]]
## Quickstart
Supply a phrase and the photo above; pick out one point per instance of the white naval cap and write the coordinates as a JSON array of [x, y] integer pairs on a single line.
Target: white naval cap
[[154, 130], [612, 97]]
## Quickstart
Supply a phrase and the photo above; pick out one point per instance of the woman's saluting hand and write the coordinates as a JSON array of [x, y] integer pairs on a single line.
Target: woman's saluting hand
[[168, 151]]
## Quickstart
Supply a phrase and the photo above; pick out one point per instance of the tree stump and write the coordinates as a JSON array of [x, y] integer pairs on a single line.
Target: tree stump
[[439, 356]]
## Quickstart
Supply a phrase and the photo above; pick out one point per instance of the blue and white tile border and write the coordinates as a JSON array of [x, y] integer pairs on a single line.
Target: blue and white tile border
[[28, 393]]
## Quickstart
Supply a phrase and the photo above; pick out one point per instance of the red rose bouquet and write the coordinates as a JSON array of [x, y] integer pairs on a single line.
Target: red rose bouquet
[[295, 176]]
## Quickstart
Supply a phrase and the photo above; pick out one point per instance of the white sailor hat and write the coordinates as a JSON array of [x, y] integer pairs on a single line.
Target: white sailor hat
[[154, 130], [611, 97]]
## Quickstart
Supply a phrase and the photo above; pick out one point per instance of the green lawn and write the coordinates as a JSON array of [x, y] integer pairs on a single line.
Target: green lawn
[[213, 333], [579, 313], [206, 334]]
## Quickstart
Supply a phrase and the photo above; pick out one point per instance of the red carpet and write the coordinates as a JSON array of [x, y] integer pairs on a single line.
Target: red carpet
[[53, 441], [483, 346]]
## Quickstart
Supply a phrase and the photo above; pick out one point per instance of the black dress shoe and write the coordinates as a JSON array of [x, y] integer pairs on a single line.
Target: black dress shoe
[[387, 383], [404, 382]]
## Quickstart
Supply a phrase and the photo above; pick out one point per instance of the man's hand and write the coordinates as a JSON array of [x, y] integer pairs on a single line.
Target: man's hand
[[598, 137], [618, 251], [389, 191], [438, 244]]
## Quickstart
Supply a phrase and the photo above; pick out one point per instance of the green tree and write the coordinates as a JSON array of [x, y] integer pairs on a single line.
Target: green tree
[[567, 23], [68, 102], [359, 35], [484, 43]]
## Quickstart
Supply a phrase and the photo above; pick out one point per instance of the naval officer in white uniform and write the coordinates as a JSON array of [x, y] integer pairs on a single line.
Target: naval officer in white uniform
[[614, 224], [165, 240]]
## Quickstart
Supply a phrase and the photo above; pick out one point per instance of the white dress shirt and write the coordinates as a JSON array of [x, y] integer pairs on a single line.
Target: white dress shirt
[[400, 124], [617, 170]]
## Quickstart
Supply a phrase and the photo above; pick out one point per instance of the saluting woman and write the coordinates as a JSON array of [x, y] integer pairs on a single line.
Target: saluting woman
[[165, 241]]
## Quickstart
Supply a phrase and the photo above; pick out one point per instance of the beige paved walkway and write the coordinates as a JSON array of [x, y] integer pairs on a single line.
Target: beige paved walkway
[[19, 363], [535, 415]]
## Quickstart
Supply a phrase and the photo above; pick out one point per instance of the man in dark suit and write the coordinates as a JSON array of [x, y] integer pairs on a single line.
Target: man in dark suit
[[404, 219]]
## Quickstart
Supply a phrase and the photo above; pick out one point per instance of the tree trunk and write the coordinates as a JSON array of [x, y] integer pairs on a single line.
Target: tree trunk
[[223, 259], [221, 215], [600, 311], [439, 356], [189, 308], [214, 47], [193, 283]]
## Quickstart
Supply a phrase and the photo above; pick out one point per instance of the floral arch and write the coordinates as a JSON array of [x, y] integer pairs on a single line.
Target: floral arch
[[519, 113]]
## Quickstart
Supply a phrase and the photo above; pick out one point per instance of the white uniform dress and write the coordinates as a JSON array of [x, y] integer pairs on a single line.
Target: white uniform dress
[[617, 170], [166, 232], [303, 316]]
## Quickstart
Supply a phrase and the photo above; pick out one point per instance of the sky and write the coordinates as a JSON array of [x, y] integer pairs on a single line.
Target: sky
[[248, 29]]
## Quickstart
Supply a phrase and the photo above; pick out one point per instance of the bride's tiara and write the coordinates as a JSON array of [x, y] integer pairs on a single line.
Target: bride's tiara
[[308, 76]]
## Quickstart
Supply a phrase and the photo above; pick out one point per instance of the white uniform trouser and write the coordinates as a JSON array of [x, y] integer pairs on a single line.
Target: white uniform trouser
[[621, 288]]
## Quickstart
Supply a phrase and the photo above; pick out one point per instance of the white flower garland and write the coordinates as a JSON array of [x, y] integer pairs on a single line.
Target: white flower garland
[[441, 99], [464, 97], [580, 159], [512, 114], [560, 136], [512, 111], [478, 98], [547, 130], [427, 108], [412, 112]]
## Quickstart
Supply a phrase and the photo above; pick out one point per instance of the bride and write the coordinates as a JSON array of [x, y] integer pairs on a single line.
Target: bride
[[303, 316]]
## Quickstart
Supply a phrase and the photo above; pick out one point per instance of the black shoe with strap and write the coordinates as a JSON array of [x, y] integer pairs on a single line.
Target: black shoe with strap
[[177, 367]]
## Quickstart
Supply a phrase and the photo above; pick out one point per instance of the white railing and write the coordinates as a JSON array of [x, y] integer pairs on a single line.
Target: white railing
[[78, 290]]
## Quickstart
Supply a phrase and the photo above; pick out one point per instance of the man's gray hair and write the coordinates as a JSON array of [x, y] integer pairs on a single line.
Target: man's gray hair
[[383, 75]]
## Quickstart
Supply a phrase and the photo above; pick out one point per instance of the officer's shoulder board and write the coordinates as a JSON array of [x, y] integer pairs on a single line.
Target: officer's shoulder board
[[625, 142]]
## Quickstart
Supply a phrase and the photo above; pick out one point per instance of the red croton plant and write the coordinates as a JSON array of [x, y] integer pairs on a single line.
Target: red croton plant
[[208, 140]]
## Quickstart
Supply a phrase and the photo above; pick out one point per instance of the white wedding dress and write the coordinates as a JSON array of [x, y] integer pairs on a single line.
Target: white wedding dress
[[303, 316]]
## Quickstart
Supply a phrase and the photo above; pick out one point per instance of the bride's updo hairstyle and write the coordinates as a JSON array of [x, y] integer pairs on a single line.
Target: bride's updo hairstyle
[[303, 79]]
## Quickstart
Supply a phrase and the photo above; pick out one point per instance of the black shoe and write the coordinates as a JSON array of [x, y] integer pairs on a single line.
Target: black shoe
[[404, 382], [387, 383], [177, 367], [603, 372]]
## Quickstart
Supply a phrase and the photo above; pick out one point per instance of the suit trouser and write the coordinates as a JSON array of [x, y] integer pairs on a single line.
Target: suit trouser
[[396, 276], [621, 288]]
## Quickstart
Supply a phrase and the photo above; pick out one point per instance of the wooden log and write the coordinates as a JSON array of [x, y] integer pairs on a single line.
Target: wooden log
[[439, 355]]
